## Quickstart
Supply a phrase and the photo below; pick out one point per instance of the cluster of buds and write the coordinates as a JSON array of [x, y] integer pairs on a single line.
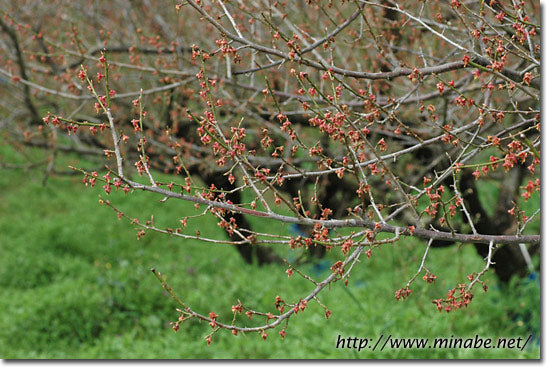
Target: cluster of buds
[[457, 297]]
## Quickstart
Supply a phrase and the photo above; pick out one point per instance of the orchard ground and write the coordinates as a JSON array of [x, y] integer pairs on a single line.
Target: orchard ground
[[76, 284]]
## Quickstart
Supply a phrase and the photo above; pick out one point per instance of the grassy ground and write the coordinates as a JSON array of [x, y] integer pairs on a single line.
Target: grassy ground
[[76, 283]]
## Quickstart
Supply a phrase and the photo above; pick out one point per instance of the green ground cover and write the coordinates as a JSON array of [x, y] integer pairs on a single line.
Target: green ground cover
[[76, 283]]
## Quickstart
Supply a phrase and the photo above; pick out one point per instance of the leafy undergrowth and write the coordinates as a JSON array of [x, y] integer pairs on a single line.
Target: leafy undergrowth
[[76, 283]]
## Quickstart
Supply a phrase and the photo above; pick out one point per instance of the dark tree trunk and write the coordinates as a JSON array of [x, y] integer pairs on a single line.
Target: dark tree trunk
[[508, 259], [249, 253]]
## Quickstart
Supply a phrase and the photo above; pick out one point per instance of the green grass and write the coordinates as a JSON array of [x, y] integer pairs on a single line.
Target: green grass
[[76, 283]]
